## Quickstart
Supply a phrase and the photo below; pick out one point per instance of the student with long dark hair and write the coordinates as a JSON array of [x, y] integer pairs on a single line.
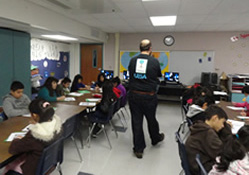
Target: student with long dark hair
[[100, 81], [78, 84], [48, 91], [102, 109], [234, 159]]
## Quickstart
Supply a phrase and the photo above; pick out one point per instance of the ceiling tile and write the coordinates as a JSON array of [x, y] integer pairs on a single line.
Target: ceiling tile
[[190, 19], [198, 7], [232, 7], [162, 8]]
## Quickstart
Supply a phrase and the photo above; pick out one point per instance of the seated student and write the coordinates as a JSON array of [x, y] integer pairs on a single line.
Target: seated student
[[63, 88], [16, 103], [48, 90], [234, 158], [245, 91], [46, 129], [118, 85], [199, 92], [197, 111], [206, 138], [77, 84], [108, 97], [100, 81]]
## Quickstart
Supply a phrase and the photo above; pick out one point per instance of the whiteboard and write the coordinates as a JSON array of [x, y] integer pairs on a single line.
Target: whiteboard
[[190, 65]]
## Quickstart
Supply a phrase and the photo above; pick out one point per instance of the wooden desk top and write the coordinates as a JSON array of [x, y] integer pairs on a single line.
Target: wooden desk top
[[64, 110], [232, 114], [14, 124]]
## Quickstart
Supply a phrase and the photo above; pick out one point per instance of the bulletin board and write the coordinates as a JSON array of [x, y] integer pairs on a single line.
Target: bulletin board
[[125, 57], [190, 64], [51, 58], [54, 68]]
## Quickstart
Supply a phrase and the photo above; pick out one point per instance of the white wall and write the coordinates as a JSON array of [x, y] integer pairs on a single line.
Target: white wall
[[230, 57], [37, 16], [74, 65]]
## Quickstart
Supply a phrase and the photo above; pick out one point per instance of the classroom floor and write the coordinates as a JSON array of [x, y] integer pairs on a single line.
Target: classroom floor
[[100, 160]]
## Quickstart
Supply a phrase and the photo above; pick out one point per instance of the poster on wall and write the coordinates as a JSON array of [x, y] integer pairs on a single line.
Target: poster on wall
[[58, 69], [125, 57], [51, 58]]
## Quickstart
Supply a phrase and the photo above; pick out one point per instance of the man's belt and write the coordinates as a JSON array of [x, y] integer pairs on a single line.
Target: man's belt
[[143, 93]]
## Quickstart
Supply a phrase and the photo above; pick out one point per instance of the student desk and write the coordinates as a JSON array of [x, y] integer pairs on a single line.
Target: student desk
[[16, 124], [232, 114]]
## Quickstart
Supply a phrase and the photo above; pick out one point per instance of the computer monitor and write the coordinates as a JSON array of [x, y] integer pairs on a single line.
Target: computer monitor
[[171, 76], [126, 75], [108, 74]]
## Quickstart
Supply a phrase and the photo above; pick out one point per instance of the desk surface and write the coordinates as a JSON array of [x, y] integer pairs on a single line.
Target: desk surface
[[64, 110], [232, 114]]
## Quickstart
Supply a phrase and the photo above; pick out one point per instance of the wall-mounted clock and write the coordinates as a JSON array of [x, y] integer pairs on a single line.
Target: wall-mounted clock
[[169, 40]]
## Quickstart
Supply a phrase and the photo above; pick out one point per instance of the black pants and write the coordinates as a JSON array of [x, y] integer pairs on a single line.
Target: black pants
[[140, 106]]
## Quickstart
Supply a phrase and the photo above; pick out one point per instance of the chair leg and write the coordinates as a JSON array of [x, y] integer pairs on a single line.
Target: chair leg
[[124, 117], [103, 126], [59, 168], [121, 120], [113, 128], [126, 111], [81, 138], [90, 133], [72, 137]]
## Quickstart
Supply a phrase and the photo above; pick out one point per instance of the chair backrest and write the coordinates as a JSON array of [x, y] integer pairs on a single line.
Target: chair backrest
[[3, 116], [51, 156], [111, 111], [201, 167], [117, 106], [182, 154], [69, 127]]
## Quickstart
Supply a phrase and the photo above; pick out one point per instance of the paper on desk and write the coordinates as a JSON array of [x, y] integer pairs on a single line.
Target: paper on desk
[[15, 135], [84, 91], [236, 125], [27, 128], [26, 115], [236, 108], [76, 94], [219, 93], [242, 117], [93, 99], [69, 99], [87, 104], [217, 102]]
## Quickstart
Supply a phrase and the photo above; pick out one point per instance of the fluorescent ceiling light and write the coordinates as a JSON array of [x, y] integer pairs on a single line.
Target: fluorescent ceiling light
[[60, 37], [163, 20]]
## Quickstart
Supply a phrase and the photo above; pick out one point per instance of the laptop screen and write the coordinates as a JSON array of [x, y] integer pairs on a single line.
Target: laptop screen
[[171, 76], [126, 75], [108, 74]]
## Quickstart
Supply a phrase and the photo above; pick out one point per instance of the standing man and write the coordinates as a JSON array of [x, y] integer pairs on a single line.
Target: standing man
[[144, 72]]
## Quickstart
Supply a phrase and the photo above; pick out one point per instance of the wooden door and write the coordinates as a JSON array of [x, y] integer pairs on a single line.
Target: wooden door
[[91, 62]]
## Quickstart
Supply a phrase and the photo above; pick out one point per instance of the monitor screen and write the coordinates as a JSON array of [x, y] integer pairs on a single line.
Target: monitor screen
[[126, 75], [108, 74], [171, 76]]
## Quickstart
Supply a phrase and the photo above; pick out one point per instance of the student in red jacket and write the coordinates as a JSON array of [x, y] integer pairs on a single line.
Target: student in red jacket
[[46, 128]]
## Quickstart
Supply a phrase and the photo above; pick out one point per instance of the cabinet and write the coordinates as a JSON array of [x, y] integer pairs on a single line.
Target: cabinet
[[14, 60], [236, 84]]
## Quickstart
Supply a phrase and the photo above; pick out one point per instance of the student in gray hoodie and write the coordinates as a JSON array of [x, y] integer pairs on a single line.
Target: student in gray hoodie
[[16, 103], [197, 111]]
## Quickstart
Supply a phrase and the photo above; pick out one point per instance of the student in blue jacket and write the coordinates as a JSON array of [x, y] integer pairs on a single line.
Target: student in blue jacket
[[48, 91]]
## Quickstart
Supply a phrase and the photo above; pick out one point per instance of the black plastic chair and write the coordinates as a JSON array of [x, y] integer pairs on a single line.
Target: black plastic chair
[[182, 154], [69, 129], [201, 167], [117, 109], [95, 119], [52, 157]]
